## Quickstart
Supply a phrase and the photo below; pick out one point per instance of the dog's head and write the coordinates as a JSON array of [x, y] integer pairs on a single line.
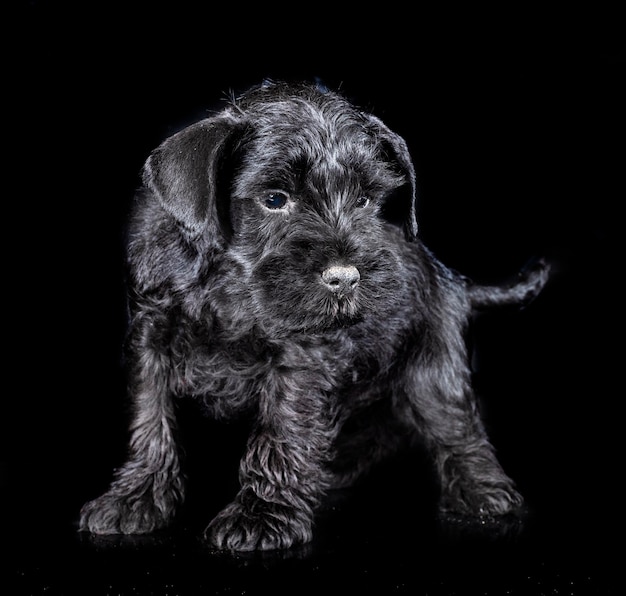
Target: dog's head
[[305, 197]]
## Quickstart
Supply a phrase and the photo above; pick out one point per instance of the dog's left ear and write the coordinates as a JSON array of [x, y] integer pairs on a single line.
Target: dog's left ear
[[183, 174], [403, 206]]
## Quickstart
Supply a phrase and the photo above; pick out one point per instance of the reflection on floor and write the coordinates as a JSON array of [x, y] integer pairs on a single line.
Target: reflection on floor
[[380, 538]]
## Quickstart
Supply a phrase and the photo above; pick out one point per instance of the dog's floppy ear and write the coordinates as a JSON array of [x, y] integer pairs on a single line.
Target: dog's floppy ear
[[183, 172], [404, 206]]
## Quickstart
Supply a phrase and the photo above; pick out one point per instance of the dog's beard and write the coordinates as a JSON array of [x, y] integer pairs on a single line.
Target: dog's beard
[[340, 311]]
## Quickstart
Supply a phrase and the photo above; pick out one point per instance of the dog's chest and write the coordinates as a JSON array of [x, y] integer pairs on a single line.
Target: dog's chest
[[232, 377]]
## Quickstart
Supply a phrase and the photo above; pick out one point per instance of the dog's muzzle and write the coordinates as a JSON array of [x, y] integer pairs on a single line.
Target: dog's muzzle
[[341, 280]]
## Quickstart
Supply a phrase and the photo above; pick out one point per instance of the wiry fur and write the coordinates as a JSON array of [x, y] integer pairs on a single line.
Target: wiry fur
[[276, 271]]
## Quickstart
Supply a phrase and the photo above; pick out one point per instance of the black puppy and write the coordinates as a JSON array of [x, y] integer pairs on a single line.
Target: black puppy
[[277, 272]]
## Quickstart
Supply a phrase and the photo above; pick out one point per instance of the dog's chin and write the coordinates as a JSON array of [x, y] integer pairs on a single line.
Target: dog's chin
[[323, 326], [336, 314], [343, 321]]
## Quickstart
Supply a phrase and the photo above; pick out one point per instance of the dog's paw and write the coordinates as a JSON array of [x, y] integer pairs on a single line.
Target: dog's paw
[[266, 526], [113, 514], [482, 500]]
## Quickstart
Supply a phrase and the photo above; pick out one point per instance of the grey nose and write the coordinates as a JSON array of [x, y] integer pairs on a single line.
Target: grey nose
[[341, 279]]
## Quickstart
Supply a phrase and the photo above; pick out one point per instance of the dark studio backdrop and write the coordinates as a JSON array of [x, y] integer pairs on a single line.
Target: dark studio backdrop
[[516, 126]]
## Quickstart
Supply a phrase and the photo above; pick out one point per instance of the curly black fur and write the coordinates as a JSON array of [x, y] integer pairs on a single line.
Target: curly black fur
[[276, 271]]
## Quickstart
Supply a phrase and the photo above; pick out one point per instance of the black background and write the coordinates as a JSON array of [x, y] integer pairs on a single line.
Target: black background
[[515, 121]]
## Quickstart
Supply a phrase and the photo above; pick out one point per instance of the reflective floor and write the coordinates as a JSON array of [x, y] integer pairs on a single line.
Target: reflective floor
[[379, 539]]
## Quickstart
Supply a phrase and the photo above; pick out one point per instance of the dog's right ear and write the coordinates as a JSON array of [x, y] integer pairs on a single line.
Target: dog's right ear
[[182, 173]]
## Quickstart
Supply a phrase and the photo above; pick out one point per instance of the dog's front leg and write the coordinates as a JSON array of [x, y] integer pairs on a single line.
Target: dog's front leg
[[147, 488], [282, 473]]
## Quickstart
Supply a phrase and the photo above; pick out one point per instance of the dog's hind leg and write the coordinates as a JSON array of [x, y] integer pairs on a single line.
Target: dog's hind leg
[[444, 409], [147, 488]]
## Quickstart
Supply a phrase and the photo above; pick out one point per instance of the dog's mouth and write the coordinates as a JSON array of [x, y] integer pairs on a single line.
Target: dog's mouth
[[341, 310], [342, 306], [334, 313]]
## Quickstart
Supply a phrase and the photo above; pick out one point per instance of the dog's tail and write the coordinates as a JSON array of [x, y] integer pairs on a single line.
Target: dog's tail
[[531, 280]]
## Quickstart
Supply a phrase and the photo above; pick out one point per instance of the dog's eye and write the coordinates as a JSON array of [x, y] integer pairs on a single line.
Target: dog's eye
[[362, 202], [275, 200]]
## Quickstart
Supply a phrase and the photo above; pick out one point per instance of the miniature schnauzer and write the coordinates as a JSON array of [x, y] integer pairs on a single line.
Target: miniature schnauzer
[[276, 272]]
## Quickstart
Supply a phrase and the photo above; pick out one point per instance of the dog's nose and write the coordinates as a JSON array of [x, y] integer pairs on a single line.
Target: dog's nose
[[341, 279]]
